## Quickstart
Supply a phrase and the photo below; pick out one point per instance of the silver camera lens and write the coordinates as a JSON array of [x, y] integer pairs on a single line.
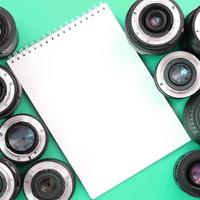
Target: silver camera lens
[[23, 138], [178, 75], [10, 92], [154, 26], [191, 38], [49, 180], [9, 180]]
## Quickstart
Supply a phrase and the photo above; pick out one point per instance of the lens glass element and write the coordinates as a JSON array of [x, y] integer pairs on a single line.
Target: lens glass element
[[180, 74], [21, 138], [194, 174], [48, 184], [155, 20]]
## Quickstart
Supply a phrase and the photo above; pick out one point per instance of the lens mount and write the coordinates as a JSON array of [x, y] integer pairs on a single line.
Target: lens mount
[[23, 138], [10, 180], [10, 92], [185, 174], [189, 72], [158, 40], [54, 177], [8, 33]]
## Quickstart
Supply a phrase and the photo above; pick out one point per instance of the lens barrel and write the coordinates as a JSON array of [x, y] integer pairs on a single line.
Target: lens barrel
[[9, 180], [187, 173], [10, 92], [191, 117], [49, 180], [178, 75], [154, 27], [23, 138], [191, 38], [8, 33]]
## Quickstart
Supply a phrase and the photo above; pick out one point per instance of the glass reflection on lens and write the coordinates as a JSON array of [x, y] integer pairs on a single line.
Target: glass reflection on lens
[[194, 174]]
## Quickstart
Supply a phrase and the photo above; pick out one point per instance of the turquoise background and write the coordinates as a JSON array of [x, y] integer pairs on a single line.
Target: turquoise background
[[36, 18]]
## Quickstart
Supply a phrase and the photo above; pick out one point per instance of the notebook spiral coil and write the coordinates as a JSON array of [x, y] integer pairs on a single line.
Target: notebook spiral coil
[[57, 33]]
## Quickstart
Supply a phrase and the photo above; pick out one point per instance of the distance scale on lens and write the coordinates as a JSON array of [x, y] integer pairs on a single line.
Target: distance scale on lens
[[23, 138]]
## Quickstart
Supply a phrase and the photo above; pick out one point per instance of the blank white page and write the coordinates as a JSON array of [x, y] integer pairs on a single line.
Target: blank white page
[[98, 100]]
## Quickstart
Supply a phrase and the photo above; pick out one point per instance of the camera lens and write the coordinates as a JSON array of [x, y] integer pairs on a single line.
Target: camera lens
[[187, 173], [49, 180], [191, 38], [9, 180], [8, 33], [154, 27], [178, 75], [191, 117], [23, 138], [10, 92]]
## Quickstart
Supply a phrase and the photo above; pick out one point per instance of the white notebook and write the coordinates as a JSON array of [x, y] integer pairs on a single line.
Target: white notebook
[[98, 100]]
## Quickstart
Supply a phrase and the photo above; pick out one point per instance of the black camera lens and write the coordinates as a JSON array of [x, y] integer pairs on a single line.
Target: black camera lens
[[191, 37], [8, 33], [187, 173], [10, 92], [191, 117], [49, 180], [9, 180], [23, 138], [178, 75], [154, 27]]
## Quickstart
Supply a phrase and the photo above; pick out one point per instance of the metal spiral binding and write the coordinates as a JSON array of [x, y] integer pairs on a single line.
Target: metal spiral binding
[[57, 32]]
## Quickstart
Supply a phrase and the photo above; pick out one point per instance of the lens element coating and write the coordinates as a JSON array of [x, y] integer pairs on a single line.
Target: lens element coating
[[21, 138], [155, 20], [194, 174], [48, 184], [180, 74]]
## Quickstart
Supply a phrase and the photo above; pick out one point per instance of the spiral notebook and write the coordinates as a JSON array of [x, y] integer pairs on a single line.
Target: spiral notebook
[[98, 100]]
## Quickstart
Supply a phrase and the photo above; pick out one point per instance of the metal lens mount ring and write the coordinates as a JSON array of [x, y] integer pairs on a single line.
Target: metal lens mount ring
[[11, 178], [12, 92], [61, 168], [41, 135], [161, 82], [156, 40]]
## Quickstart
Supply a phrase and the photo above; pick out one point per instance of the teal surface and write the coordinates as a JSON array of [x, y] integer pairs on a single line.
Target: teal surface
[[36, 18]]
